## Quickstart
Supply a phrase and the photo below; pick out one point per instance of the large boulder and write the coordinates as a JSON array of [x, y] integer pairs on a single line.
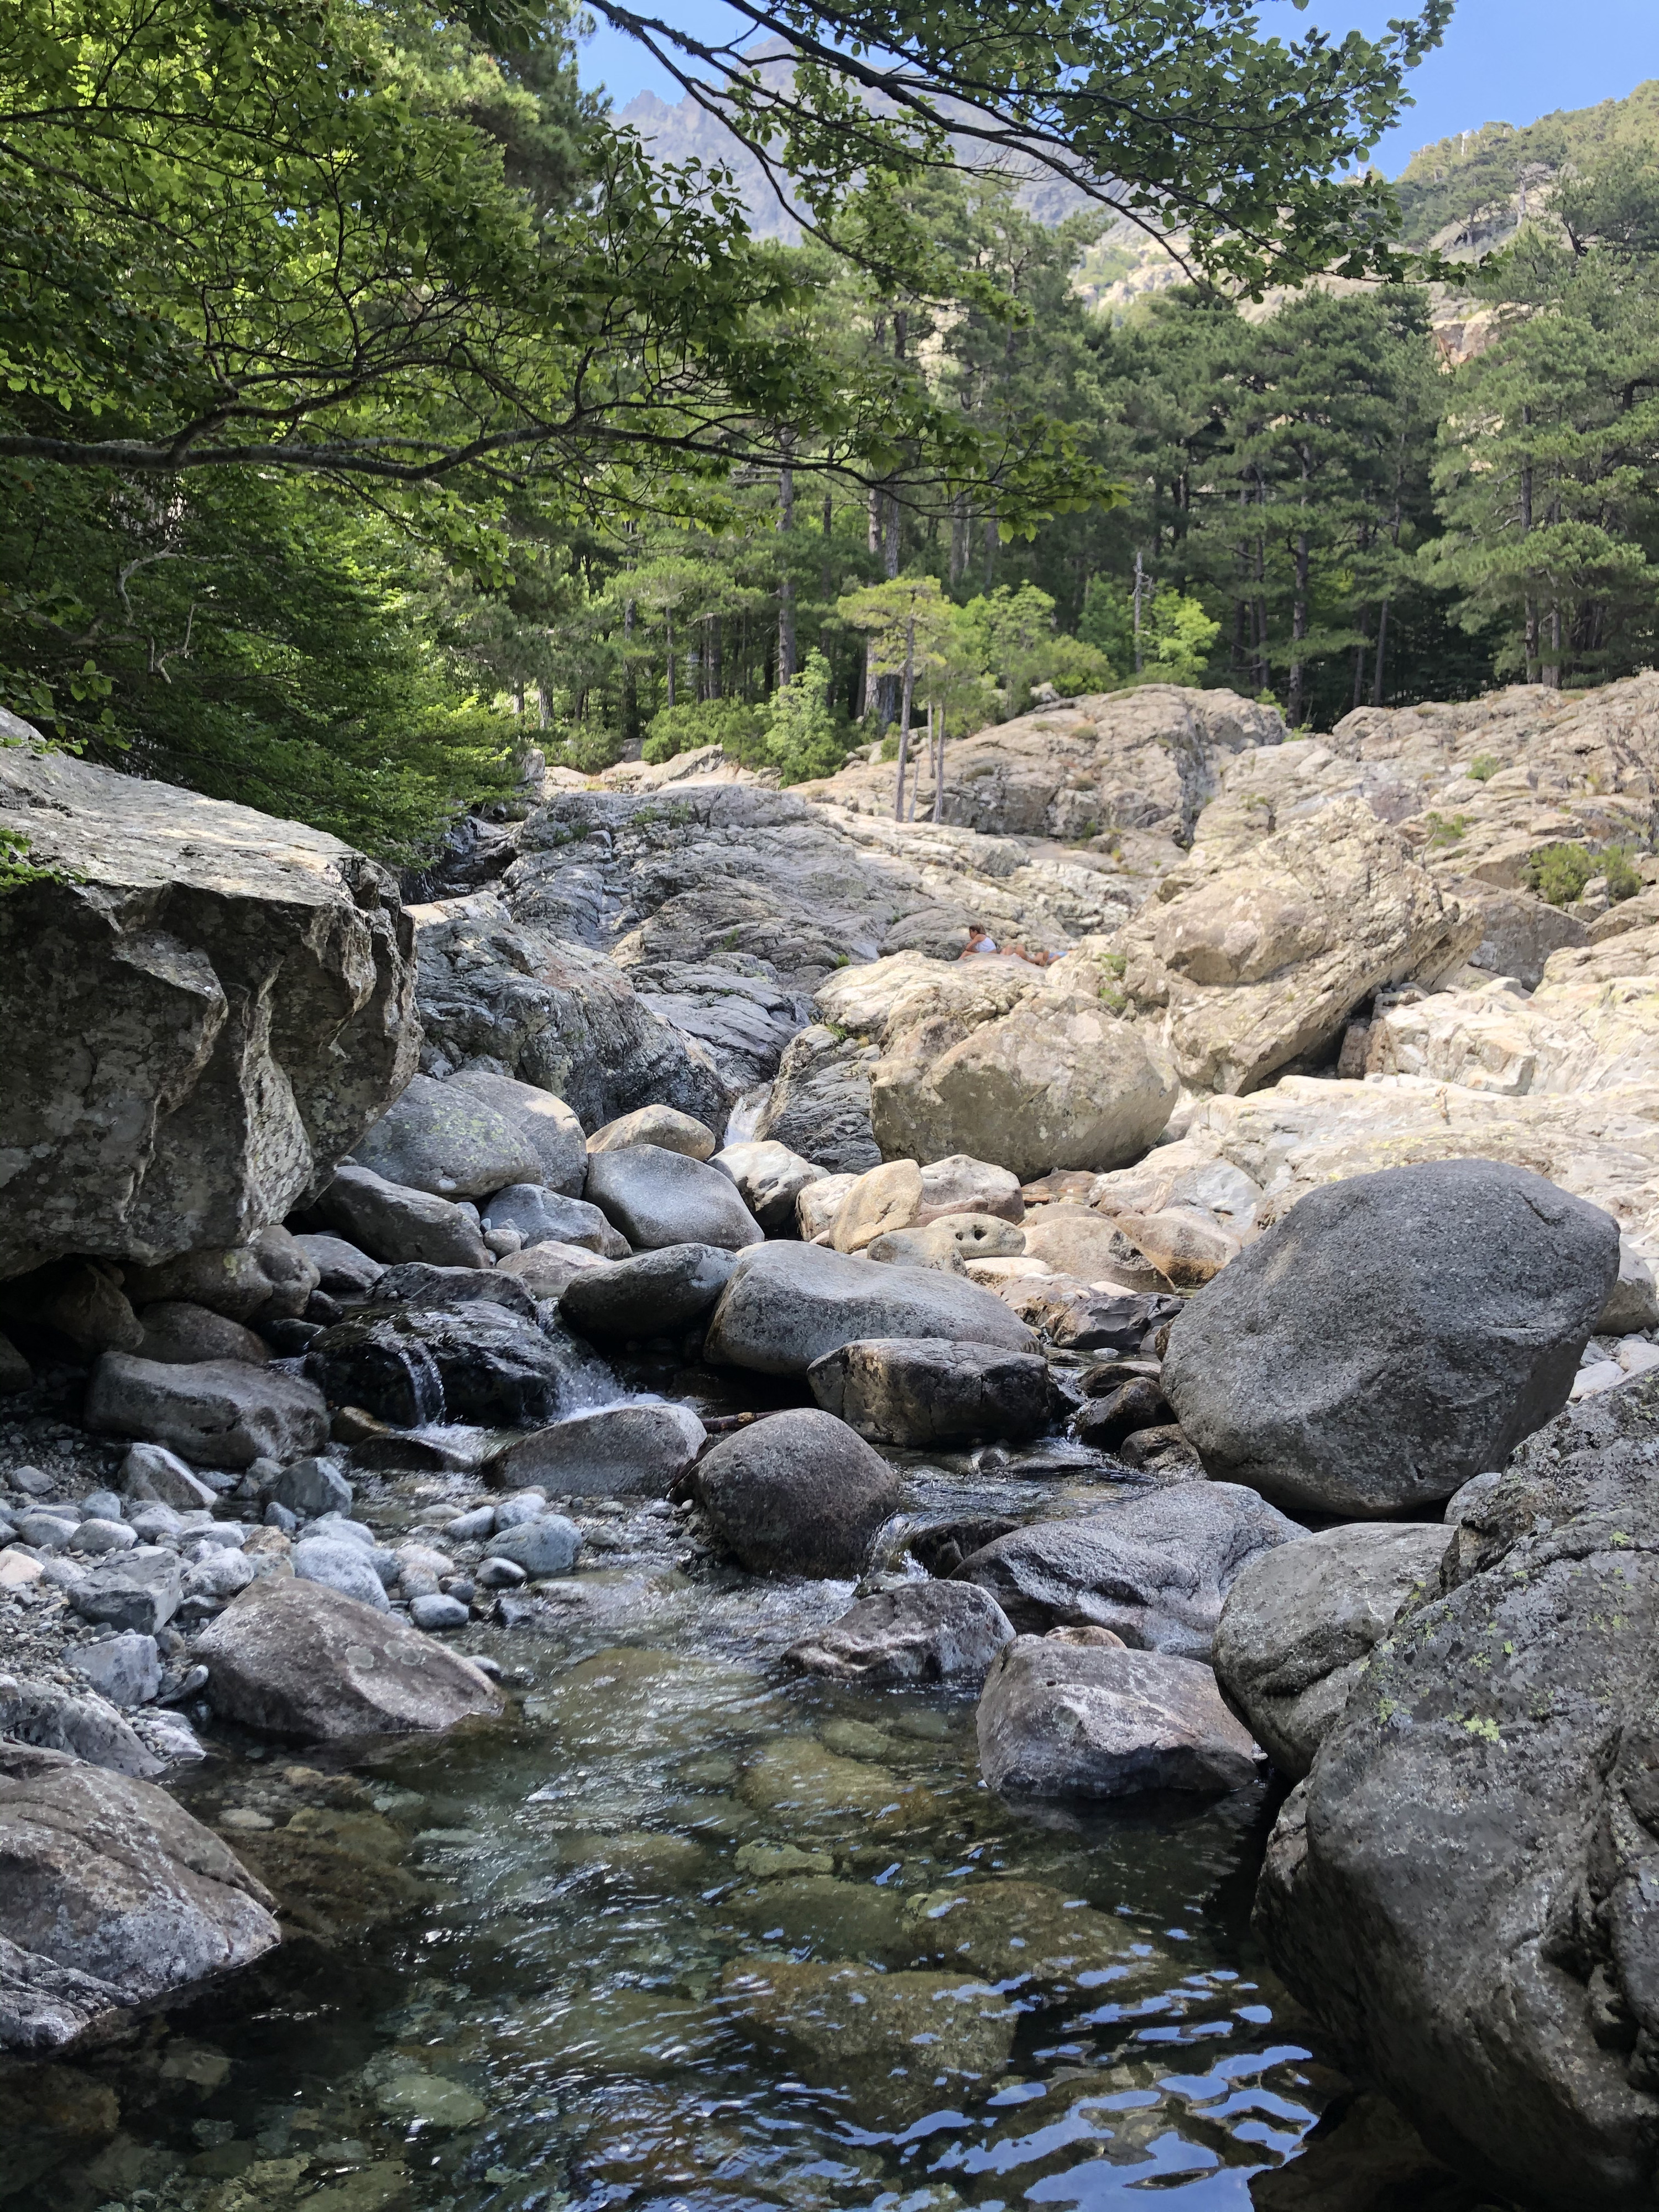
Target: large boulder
[[295, 1658], [1393, 1336], [448, 1139], [218, 1412], [665, 1126], [1299, 1623], [1461, 1890], [87, 1727], [1059, 1720], [268, 1279], [819, 1104], [1243, 960], [546, 1122], [392, 1222], [787, 1305], [473, 1362], [140, 1590], [920, 1390], [798, 1493], [210, 1006], [620, 1451], [919, 1632], [179, 1335], [114, 1900], [1060, 1082], [1153, 1569], [657, 1198], [653, 1294], [547, 1216]]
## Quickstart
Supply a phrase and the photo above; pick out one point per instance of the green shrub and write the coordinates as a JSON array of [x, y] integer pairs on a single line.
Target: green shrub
[[1484, 767], [1446, 830], [803, 739], [724, 722], [1623, 882]]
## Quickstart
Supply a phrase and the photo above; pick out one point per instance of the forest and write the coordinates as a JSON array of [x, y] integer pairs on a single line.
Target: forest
[[374, 411]]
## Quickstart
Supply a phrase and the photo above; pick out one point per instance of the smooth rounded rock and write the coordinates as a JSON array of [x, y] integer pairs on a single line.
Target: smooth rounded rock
[[339, 1566], [657, 1197], [618, 1451], [545, 1270], [393, 1222], [918, 1390], [549, 1125], [435, 1614], [445, 1139], [1069, 1721], [547, 1216], [219, 1413], [298, 1659], [665, 1127], [926, 1632], [343, 1271], [546, 1545], [798, 1493], [180, 1334], [653, 1294], [769, 1179], [788, 1305], [1393, 1336]]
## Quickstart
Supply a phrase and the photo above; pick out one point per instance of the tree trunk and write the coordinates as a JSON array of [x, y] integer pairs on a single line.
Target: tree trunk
[[1139, 586], [938, 770], [1525, 531], [786, 583], [908, 700], [1299, 610], [518, 698], [958, 538], [1382, 649], [991, 541], [630, 680], [711, 655], [668, 624]]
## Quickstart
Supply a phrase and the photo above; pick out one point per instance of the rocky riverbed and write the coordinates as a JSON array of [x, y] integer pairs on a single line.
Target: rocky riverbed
[[715, 1599]]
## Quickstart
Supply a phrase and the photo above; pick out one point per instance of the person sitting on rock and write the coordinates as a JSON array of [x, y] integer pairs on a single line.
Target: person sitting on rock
[[979, 939]]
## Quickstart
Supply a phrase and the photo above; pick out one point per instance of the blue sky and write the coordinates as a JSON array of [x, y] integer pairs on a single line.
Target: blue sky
[[1507, 61]]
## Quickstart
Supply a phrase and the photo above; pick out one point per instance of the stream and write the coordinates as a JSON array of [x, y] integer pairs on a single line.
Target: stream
[[525, 1956]]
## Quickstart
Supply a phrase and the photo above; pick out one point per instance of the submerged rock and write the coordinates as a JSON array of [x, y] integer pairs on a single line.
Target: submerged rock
[[114, 1899], [843, 2024], [297, 1659]]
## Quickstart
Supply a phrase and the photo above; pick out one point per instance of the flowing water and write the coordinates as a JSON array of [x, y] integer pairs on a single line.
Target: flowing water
[[648, 1942]]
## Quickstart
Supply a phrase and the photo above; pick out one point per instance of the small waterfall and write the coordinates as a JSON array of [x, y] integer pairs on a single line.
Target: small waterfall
[[745, 1117], [426, 1382]]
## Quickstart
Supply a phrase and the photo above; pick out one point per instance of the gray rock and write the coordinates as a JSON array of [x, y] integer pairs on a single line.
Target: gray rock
[[1299, 1623], [102, 1505], [1632, 1303], [98, 1538], [297, 1658], [168, 1736], [621, 1451], [477, 1362], [768, 1178], [445, 1139], [544, 1216], [932, 1247], [154, 1522], [340, 1566], [342, 1270], [657, 1198], [217, 1413], [513, 1512], [139, 1589], [819, 1104], [546, 1546], [500, 1574], [1059, 1720], [269, 1277], [151, 1473], [920, 1390], [47, 1528], [87, 1727], [662, 1126], [1460, 1889], [15, 1373], [394, 1222], [960, 1184], [1154, 1568], [215, 1005], [181, 1334], [546, 1269], [436, 1614], [215, 1576], [313, 1486], [114, 1899], [788, 1305], [658, 1293], [472, 1528], [950, 1240], [1394, 1336], [547, 1122], [81, 1300], [798, 1493], [419, 1283], [922, 1631], [127, 1670]]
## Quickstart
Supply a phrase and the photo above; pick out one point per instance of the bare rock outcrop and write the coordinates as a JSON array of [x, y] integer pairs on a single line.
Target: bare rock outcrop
[[207, 1008]]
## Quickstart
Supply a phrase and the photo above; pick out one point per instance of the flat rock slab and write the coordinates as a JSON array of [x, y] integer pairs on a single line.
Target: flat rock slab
[[920, 1390], [1300, 1621], [798, 1493], [1154, 1568], [1393, 1336], [1059, 1720], [657, 1197], [926, 1632], [788, 1305], [620, 1451], [216, 1413], [297, 1659], [112, 1897]]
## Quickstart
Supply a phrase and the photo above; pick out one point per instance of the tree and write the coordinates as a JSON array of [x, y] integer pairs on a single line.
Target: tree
[[802, 739], [906, 620]]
